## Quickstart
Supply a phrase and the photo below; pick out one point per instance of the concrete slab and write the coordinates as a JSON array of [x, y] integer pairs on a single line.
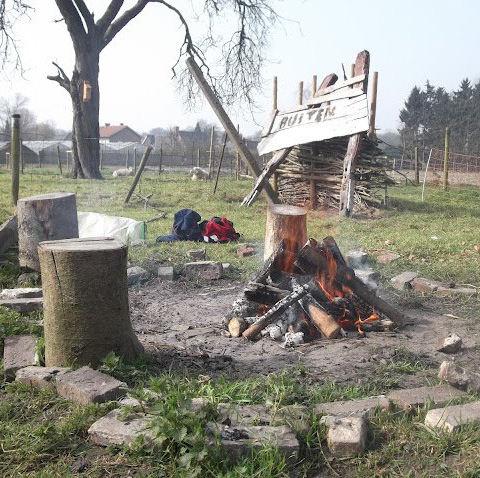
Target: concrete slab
[[344, 408], [23, 306], [21, 293], [452, 418], [459, 377], [40, 377], [19, 351], [403, 281], [438, 395], [346, 436]]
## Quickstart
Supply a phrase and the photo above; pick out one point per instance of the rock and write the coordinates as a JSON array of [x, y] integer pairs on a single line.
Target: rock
[[114, 429], [420, 284], [129, 402], [450, 345], [234, 414], [355, 259], [8, 234], [137, 275], [444, 291], [18, 351], [403, 281], [21, 293], [363, 407], [86, 385], [23, 306], [346, 436], [204, 270], [226, 266], [451, 418], [199, 403], [246, 251], [166, 273], [387, 256], [438, 395], [122, 172], [239, 441], [40, 377], [197, 254], [459, 377], [28, 279], [368, 276]]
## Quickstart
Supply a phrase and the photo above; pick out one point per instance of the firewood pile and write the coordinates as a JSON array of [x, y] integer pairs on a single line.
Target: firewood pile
[[307, 293], [316, 169]]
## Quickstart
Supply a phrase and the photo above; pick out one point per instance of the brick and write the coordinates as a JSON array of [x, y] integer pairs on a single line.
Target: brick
[[346, 436], [204, 270], [443, 291], [19, 351], [21, 293], [420, 284], [40, 377], [403, 281], [459, 377], [344, 408], [115, 429], [234, 414], [23, 306], [86, 385], [356, 258], [197, 254], [166, 273], [239, 441], [451, 418], [137, 275], [438, 395], [450, 344]]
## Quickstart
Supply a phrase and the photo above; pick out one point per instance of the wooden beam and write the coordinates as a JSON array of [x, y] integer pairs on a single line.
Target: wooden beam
[[300, 93], [228, 126], [373, 106], [275, 94]]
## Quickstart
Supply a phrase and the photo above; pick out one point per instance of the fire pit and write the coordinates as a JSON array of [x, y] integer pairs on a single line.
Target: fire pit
[[308, 292]]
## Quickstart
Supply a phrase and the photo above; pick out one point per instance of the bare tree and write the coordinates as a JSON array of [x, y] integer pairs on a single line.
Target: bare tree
[[17, 104]]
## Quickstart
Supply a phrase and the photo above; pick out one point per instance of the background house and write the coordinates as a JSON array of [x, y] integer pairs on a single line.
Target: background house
[[28, 155], [118, 133]]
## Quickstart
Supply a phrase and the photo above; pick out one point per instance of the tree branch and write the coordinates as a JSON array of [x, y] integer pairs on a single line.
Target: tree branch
[[74, 22], [61, 78], [110, 13], [118, 24], [86, 14]]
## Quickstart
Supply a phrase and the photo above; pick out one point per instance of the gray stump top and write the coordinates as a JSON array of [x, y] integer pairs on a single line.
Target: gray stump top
[[83, 244], [46, 197]]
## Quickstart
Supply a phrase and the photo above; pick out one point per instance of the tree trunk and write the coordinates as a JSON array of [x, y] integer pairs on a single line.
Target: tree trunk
[[45, 217], [86, 314]]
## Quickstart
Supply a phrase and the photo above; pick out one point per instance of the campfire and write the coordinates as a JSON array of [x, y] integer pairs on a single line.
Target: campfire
[[306, 292]]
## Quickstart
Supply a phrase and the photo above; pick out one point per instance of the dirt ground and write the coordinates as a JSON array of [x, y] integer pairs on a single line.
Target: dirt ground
[[181, 324]]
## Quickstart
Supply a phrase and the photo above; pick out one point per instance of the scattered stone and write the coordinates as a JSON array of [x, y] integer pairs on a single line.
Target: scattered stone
[[368, 276], [23, 306], [364, 407], [356, 258], [137, 275], [420, 284], [346, 436], [40, 377], [204, 270], [444, 291], [458, 377], [129, 402], [233, 414], [21, 293], [226, 266], [79, 465], [403, 280], [114, 429], [197, 254], [86, 385], [387, 256], [8, 234], [166, 273], [246, 251], [450, 345], [27, 279], [18, 351], [240, 440], [438, 395], [451, 418], [199, 403]]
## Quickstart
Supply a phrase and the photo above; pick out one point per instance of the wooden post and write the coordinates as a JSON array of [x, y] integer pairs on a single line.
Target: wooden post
[[22, 165], [228, 125], [101, 158], [445, 158], [275, 94], [59, 160], [300, 93], [314, 85], [40, 159], [134, 160], [143, 163], [352, 70], [127, 158], [416, 165], [160, 159], [198, 157], [210, 153], [85, 293], [220, 162], [15, 157], [275, 182], [373, 106]]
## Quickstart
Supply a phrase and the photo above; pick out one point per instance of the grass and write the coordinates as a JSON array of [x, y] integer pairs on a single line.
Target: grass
[[42, 435]]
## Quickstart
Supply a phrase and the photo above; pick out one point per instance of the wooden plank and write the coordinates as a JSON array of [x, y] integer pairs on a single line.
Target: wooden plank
[[340, 84], [342, 118], [228, 125], [346, 92]]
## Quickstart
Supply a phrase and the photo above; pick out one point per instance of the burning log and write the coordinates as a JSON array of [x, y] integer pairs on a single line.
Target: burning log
[[264, 293], [320, 318], [237, 326]]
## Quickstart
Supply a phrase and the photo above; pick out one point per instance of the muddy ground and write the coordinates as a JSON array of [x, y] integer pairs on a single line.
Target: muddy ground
[[181, 324]]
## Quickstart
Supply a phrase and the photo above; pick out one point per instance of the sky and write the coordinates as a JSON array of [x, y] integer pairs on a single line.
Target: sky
[[409, 42]]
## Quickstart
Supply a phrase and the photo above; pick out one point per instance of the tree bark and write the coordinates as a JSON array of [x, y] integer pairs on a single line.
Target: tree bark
[[45, 217], [86, 314]]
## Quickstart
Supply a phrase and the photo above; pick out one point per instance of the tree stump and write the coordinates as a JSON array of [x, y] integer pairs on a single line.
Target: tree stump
[[46, 217], [288, 223], [85, 295]]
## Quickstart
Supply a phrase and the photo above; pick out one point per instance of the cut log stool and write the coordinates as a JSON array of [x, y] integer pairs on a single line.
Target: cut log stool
[[46, 217], [284, 222], [86, 313]]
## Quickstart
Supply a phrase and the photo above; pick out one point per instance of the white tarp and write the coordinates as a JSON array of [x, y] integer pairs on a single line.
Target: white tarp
[[124, 229]]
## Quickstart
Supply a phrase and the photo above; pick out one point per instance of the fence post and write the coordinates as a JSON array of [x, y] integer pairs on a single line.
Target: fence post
[[300, 93], [22, 166], [314, 85], [101, 158], [15, 157], [445, 158], [275, 94], [198, 157], [373, 106], [210, 153], [160, 159], [417, 172], [134, 160], [59, 160]]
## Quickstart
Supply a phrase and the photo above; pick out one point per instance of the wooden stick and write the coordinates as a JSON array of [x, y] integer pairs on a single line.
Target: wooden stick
[[445, 158], [416, 165], [314, 85], [15, 157], [220, 162], [143, 163], [320, 318], [228, 125], [275, 94], [373, 106], [300, 93], [210, 153], [59, 160]]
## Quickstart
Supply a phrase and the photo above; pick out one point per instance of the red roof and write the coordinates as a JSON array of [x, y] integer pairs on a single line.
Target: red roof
[[110, 130]]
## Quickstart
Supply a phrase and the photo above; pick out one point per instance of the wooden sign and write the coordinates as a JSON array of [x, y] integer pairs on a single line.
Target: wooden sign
[[340, 117]]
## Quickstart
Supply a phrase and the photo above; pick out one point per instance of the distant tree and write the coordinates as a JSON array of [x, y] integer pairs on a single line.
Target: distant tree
[[18, 104]]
